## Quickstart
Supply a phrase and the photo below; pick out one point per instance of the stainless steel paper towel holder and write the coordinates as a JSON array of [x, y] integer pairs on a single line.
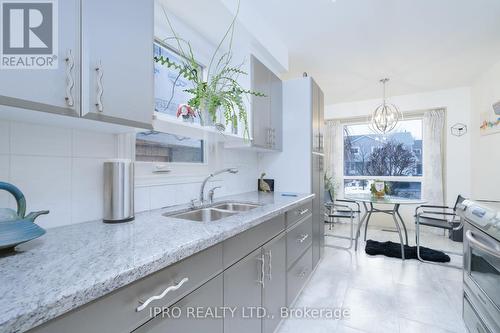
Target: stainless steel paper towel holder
[[118, 191]]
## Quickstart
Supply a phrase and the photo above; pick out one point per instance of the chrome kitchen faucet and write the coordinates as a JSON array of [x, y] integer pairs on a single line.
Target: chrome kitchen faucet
[[202, 189]]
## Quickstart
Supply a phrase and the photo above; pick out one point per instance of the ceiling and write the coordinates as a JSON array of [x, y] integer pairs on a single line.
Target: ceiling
[[348, 45]]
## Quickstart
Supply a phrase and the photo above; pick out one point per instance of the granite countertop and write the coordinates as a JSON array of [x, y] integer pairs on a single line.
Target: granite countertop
[[72, 265]]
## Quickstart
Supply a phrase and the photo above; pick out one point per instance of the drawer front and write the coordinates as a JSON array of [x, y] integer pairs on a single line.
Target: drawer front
[[242, 244], [298, 239], [297, 276], [294, 215], [208, 296], [117, 312]]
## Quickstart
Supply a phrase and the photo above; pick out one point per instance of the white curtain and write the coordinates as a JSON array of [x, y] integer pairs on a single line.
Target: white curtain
[[333, 153], [433, 124]]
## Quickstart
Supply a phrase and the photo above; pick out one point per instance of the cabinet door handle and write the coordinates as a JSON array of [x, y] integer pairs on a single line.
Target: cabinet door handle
[[270, 264], [303, 273], [303, 211], [475, 243], [262, 260], [100, 89], [302, 238], [70, 82], [144, 304]]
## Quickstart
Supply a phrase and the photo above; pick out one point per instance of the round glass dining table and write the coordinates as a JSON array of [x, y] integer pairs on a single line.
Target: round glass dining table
[[369, 201]]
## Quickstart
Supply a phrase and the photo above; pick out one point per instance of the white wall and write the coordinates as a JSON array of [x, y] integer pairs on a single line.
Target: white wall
[[486, 152], [57, 168], [291, 168], [457, 103]]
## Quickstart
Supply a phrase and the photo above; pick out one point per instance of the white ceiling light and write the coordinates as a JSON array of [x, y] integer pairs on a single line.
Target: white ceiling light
[[386, 116]]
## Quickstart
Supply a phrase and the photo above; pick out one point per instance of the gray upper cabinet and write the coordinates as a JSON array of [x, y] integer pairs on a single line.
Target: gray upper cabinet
[[242, 290], [50, 90], [267, 112], [276, 112], [117, 63], [274, 288], [315, 116], [318, 105], [105, 65], [261, 106]]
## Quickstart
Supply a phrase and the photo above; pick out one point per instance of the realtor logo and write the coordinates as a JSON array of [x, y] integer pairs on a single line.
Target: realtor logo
[[29, 34]]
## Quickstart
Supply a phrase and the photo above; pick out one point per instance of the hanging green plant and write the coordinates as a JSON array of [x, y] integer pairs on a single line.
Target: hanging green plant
[[221, 89]]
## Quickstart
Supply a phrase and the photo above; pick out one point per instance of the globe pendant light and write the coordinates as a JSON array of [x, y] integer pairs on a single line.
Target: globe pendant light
[[386, 116]]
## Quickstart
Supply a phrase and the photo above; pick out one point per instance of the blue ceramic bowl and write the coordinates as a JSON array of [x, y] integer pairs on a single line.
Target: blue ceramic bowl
[[13, 233]]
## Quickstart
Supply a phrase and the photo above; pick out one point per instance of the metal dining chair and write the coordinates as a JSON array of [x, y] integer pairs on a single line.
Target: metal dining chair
[[442, 217], [341, 209]]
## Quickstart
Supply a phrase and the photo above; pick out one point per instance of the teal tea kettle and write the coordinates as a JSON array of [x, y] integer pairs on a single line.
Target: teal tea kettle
[[16, 227]]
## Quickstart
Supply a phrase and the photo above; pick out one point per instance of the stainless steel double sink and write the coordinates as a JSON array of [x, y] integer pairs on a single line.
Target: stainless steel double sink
[[214, 212]]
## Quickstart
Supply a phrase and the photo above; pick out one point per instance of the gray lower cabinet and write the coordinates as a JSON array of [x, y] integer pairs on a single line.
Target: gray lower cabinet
[[274, 288], [118, 312], [318, 216], [297, 276], [242, 290], [183, 316], [262, 268]]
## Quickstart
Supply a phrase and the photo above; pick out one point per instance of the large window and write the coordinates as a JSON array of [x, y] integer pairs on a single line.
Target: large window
[[395, 158]]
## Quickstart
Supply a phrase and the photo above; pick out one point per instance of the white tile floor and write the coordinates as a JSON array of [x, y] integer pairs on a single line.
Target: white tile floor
[[383, 294]]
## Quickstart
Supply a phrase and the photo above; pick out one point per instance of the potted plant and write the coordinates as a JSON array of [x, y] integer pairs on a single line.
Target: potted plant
[[220, 90]]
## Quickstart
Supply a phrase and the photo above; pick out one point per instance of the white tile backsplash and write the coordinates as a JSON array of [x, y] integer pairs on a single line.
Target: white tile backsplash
[[142, 199], [39, 140], [5, 197], [91, 144], [60, 169], [86, 189], [46, 184], [163, 195], [172, 194], [4, 137]]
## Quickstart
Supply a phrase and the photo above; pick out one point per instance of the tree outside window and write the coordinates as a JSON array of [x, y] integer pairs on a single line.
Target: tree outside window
[[395, 158]]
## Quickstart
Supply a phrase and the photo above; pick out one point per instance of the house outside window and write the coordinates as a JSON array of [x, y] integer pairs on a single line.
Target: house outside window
[[395, 158]]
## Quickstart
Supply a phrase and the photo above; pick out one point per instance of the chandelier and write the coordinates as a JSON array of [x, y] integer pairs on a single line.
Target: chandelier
[[386, 116]]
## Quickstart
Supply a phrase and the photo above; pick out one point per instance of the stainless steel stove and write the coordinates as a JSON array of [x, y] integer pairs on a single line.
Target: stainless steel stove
[[481, 307]]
